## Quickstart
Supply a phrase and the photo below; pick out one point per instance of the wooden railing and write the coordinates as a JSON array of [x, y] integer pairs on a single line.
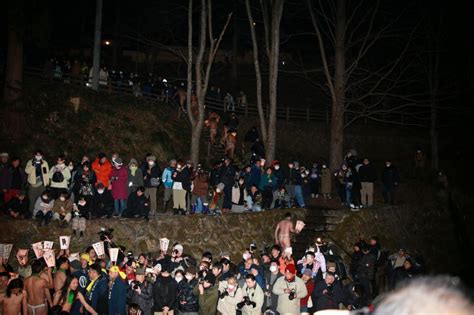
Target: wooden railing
[[288, 113]]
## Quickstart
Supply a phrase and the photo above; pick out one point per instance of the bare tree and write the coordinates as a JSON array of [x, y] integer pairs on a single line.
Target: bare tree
[[202, 71], [358, 89], [272, 12]]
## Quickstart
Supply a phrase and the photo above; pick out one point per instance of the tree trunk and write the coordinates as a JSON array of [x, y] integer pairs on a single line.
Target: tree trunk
[[14, 65], [274, 60], [97, 44], [338, 104], [258, 74]]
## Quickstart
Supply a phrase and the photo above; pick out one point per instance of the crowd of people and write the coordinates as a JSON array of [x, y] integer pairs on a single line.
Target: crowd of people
[[265, 281], [138, 84]]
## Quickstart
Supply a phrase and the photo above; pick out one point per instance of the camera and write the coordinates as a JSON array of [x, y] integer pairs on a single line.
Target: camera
[[105, 233], [246, 301], [136, 285], [292, 295], [253, 247], [223, 294]]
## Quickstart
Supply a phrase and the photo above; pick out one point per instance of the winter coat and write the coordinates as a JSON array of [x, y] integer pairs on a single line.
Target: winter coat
[[134, 181], [259, 278], [19, 206], [41, 205], [367, 173], [30, 169], [185, 294], [326, 181], [144, 300], [227, 175], [118, 297], [155, 172], [100, 202], [228, 304], [208, 300], [267, 181], [279, 178], [98, 295], [66, 204], [390, 177], [200, 185], [285, 305], [4, 176], [255, 177], [119, 183], [272, 300], [255, 295], [366, 267], [66, 176], [12, 178], [327, 297], [167, 178], [102, 171], [310, 289], [291, 175], [164, 293]]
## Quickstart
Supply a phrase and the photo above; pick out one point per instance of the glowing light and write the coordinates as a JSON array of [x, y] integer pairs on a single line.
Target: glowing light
[[107, 43]]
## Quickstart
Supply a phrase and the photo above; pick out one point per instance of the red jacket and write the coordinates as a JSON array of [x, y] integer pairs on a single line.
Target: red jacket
[[310, 288]]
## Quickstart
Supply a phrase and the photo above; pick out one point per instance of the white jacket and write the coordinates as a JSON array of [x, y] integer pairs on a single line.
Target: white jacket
[[285, 305]]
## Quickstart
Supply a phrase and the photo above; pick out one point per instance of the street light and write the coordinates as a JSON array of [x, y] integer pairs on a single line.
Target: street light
[[107, 43]]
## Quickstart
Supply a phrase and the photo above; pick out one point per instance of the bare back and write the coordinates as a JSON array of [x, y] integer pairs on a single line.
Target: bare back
[[282, 233], [36, 288], [11, 305]]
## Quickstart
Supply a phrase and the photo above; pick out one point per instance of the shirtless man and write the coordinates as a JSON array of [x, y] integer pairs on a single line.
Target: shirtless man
[[37, 289], [181, 95], [212, 123], [283, 230], [231, 143], [60, 276], [13, 300]]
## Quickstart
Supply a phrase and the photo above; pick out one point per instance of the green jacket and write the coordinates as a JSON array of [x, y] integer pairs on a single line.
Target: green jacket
[[208, 300]]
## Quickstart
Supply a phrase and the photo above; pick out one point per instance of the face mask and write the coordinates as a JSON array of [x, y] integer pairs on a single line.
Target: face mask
[[100, 191], [277, 167], [246, 256], [231, 286], [241, 182], [178, 279], [82, 202], [45, 197], [71, 167], [151, 163], [273, 268], [189, 277], [62, 198], [38, 158]]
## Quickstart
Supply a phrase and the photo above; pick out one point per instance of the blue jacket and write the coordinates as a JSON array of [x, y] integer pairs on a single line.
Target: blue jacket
[[255, 176], [166, 178], [118, 297], [260, 279], [98, 295]]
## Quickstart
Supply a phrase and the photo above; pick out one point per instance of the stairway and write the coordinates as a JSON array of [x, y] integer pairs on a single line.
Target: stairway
[[319, 220]]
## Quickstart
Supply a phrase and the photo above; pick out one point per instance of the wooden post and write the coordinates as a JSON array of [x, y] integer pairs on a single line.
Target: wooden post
[[307, 113], [287, 113]]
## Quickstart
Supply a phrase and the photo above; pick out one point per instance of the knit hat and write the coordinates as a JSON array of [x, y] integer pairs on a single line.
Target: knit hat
[[151, 158], [308, 272], [4, 154], [133, 161], [291, 269]]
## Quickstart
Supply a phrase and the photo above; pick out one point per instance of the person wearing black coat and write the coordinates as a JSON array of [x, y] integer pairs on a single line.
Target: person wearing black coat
[[390, 180], [326, 295], [151, 180], [227, 175], [188, 302], [19, 207], [138, 204], [102, 202], [140, 292], [165, 291], [365, 275], [403, 273]]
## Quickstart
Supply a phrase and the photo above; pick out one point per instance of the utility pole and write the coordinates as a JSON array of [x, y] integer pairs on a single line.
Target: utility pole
[[97, 40]]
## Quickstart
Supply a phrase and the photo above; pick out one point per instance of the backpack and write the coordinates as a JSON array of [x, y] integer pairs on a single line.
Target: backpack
[[58, 176]]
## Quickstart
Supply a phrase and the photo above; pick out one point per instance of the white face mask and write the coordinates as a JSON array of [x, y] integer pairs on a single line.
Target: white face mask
[[189, 277], [231, 286], [45, 197], [241, 182], [273, 268], [277, 167], [82, 202], [151, 163], [71, 167], [246, 256], [100, 191], [178, 279], [62, 198], [38, 157]]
